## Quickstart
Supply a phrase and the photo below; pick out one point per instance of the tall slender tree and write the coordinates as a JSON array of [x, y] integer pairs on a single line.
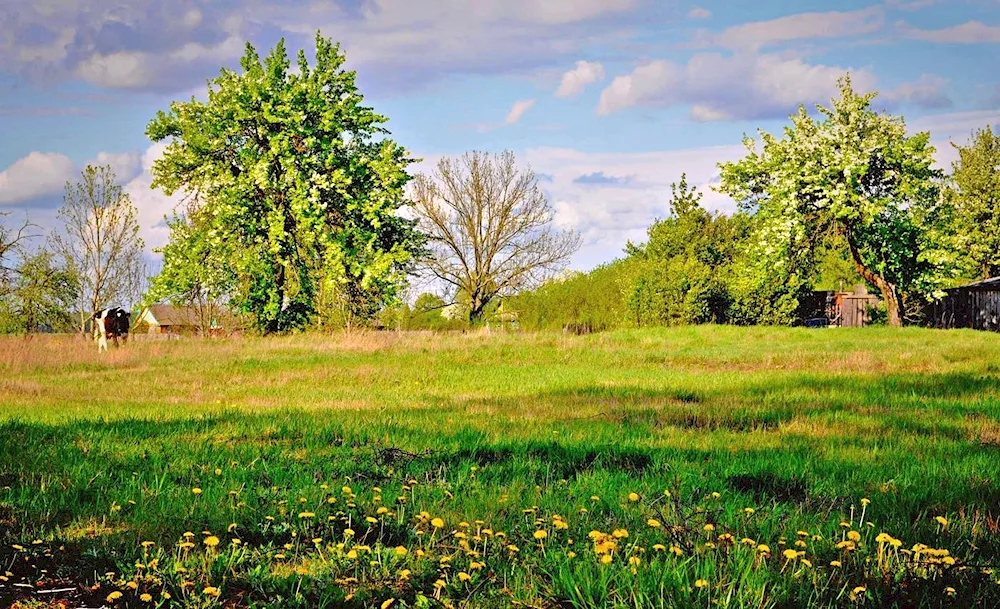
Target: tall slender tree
[[976, 198], [99, 239]]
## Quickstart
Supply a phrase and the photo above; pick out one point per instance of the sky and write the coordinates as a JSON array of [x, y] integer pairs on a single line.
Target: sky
[[607, 101]]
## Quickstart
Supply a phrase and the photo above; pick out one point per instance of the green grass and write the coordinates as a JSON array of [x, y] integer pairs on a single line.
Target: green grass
[[99, 453]]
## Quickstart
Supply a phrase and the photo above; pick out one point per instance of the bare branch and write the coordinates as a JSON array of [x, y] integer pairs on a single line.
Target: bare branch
[[490, 227]]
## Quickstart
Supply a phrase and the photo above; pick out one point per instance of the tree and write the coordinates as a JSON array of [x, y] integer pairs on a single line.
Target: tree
[[685, 262], [489, 228], [99, 238], [857, 173], [42, 294], [298, 190], [12, 243], [191, 275], [976, 197]]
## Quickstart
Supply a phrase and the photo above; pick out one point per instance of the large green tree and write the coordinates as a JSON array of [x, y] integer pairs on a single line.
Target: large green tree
[[976, 199], [855, 172], [685, 263], [41, 296], [299, 186]]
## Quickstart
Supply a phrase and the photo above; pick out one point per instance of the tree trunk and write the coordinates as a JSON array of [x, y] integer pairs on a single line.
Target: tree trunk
[[890, 293]]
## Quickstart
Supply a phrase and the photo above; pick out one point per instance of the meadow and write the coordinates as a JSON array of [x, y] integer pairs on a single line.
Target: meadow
[[689, 467]]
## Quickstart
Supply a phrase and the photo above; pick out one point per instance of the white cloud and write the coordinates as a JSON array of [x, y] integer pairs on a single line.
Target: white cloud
[[125, 165], [829, 24], [971, 32], [37, 175], [699, 13], [518, 110], [576, 80], [928, 91], [135, 69], [151, 205], [610, 215], [739, 86]]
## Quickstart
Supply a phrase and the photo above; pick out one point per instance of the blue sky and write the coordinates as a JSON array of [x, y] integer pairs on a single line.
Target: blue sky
[[609, 100]]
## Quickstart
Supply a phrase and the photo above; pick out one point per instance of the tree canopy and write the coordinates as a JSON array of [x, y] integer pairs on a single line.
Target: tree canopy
[[854, 172], [298, 186], [976, 197]]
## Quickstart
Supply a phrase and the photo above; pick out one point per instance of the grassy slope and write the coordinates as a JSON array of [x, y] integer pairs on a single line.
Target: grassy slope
[[799, 424]]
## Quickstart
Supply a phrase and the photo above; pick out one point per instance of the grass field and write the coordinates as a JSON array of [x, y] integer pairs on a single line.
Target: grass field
[[691, 467]]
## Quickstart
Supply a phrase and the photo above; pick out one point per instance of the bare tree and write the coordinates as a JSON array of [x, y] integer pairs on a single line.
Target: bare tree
[[490, 228], [12, 242], [100, 240]]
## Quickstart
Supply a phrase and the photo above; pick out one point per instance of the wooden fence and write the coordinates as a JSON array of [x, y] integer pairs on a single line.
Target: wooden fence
[[969, 308]]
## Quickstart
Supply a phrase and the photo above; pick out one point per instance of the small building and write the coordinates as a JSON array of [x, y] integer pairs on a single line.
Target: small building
[[843, 309], [175, 320], [973, 305]]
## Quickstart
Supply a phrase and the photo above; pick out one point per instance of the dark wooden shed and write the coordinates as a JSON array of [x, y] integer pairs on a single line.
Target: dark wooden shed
[[974, 305]]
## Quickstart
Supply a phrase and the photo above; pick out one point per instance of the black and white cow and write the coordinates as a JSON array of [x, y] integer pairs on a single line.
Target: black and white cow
[[111, 323]]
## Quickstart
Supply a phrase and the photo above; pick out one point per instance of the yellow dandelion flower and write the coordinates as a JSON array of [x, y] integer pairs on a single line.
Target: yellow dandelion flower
[[211, 541], [764, 548], [145, 597], [709, 527], [701, 583], [790, 554], [835, 563], [113, 596], [653, 523], [619, 533], [211, 591], [606, 559], [659, 547], [348, 532], [633, 497], [941, 520], [196, 490], [463, 576], [541, 534], [437, 523], [854, 536]]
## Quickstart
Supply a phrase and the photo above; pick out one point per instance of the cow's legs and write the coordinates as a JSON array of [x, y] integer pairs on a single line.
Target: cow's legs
[[102, 343]]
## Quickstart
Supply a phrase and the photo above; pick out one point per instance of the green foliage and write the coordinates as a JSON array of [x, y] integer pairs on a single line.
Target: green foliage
[[41, 296], [685, 266], [596, 299], [975, 194], [854, 172], [192, 273], [299, 188]]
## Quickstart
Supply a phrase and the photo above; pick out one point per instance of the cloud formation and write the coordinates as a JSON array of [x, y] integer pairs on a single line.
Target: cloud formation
[[802, 26], [728, 87], [576, 80], [929, 91], [38, 175], [970, 32], [699, 13], [518, 109]]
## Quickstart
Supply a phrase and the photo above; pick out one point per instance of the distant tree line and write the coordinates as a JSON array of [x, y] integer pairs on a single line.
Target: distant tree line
[[300, 212], [847, 198]]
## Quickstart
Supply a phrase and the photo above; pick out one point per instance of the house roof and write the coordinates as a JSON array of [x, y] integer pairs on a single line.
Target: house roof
[[993, 283], [169, 315]]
